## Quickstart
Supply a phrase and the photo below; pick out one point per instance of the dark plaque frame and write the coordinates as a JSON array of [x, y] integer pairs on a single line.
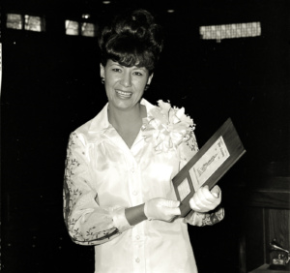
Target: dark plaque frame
[[209, 164]]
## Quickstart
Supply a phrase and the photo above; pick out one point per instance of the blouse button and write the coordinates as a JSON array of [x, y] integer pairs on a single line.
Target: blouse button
[[137, 260], [137, 237], [134, 193]]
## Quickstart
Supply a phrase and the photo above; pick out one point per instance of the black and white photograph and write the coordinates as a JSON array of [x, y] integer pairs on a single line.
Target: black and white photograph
[[145, 136]]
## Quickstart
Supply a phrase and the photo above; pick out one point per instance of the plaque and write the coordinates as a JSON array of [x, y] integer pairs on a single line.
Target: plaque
[[209, 164]]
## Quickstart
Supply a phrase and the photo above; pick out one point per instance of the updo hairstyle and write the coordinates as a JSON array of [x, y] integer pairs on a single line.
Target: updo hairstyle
[[133, 39]]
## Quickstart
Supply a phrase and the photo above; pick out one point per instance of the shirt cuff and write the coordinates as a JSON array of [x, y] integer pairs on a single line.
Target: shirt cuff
[[205, 219], [120, 220]]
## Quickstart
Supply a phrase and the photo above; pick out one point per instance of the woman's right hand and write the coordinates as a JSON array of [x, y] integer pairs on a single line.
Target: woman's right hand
[[162, 209]]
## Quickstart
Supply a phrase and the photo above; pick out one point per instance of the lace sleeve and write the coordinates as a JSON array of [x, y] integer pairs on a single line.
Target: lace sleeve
[[86, 221], [201, 219]]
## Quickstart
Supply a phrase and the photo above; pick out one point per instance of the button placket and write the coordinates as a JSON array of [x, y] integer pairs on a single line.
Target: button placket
[[138, 240], [135, 183]]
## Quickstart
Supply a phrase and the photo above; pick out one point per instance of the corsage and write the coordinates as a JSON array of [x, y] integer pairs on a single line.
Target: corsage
[[167, 127]]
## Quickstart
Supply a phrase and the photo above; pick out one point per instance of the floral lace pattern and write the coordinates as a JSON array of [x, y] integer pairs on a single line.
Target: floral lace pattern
[[77, 198], [205, 219]]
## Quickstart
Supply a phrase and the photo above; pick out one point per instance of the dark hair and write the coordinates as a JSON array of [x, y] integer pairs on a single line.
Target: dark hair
[[132, 39]]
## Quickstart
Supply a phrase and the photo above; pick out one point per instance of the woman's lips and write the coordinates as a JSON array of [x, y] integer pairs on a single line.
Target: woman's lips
[[123, 94]]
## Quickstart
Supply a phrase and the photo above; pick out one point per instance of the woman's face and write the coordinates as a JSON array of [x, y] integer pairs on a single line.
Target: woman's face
[[124, 85]]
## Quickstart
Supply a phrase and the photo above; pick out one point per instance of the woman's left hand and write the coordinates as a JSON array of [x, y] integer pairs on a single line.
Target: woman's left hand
[[205, 200]]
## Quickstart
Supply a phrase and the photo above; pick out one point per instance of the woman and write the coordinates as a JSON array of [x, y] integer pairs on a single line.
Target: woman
[[118, 190]]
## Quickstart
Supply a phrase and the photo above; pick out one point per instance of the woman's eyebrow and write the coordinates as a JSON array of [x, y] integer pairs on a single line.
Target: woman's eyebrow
[[115, 64], [139, 68]]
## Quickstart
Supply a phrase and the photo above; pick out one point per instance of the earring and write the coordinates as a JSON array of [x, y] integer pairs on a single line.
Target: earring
[[102, 80], [146, 87]]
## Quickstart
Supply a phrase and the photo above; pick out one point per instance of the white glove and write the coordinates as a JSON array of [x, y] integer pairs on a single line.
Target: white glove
[[162, 209], [205, 200]]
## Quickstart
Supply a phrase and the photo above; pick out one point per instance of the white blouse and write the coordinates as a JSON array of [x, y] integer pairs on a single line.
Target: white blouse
[[102, 178]]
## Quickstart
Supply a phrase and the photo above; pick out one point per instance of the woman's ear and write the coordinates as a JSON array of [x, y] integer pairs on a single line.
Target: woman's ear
[[102, 71], [150, 78]]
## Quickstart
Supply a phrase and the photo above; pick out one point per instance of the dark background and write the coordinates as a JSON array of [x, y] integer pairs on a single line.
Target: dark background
[[51, 85]]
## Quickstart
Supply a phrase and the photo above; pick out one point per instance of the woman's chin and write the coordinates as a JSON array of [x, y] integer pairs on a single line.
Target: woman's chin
[[123, 104]]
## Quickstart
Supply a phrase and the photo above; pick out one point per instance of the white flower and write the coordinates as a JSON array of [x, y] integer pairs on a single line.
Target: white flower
[[167, 127]]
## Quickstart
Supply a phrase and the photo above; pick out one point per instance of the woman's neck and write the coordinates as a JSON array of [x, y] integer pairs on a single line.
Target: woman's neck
[[127, 123], [124, 120]]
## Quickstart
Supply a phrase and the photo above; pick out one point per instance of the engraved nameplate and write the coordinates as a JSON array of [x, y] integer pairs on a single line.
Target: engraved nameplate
[[209, 163]]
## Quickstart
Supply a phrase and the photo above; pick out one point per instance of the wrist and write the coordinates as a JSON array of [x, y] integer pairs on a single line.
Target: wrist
[[135, 215]]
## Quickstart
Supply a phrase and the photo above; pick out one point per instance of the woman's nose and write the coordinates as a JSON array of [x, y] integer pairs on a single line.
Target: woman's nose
[[126, 79]]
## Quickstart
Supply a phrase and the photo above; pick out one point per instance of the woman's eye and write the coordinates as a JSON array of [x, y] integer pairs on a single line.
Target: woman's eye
[[116, 69], [138, 73]]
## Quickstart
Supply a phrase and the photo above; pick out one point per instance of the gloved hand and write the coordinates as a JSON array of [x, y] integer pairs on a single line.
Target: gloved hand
[[205, 200], [161, 209]]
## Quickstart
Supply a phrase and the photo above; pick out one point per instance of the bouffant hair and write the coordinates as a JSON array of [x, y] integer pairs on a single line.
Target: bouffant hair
[[133, 39]]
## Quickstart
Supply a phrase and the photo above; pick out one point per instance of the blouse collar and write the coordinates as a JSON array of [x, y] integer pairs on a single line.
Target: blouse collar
[[101, 122]]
